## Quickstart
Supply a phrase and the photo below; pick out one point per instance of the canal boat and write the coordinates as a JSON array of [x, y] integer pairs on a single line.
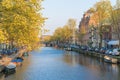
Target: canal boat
[[18, 61], [110, 59], [10, 68]]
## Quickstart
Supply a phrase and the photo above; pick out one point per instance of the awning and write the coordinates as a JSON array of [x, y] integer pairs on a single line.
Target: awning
[[115, 42]]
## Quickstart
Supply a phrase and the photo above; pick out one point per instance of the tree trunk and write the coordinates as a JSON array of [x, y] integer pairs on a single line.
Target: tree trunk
[[100, 44], [119, 40]]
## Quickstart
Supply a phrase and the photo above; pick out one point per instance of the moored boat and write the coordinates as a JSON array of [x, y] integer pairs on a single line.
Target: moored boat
[[10, 68]]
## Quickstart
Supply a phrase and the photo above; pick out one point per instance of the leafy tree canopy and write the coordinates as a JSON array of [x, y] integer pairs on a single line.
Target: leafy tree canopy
[[22, 21]]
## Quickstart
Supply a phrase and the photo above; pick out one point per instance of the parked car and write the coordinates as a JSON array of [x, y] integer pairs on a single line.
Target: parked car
[[90, 48], [15, 50], [96, 49], [109, 51], [84, 47], [74, 47], [116, 52], [4, 51], [103, 50]]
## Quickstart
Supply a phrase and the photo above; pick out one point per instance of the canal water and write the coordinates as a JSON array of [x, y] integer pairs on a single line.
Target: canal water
[[53, 64]]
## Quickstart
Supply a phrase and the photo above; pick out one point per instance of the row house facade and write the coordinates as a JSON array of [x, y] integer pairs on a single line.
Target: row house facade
[[84, 26], [91, 34]]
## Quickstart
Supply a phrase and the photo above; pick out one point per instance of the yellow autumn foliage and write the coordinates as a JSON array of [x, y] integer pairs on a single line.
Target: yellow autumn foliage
[[22, 21], [2, 37]]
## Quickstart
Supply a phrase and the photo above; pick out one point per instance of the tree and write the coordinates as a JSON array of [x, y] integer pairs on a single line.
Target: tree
[[67, 33], [72, 25], [117, 4], [2, 37], [63, 35], [80, 34], [58, 34], [100, 16], [115, 20], [22, 20]]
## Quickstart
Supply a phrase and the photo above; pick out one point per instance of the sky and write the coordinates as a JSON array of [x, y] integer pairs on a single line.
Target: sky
[[59, 11]]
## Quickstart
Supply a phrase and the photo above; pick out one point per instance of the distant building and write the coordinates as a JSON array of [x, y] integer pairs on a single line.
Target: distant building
[[84, 27], [91, 33]]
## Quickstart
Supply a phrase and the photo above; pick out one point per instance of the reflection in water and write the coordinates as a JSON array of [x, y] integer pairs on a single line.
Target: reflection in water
[[53, 64], [94, 64]]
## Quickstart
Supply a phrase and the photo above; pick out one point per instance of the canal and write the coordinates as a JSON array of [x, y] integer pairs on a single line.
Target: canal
[[53, 64]]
